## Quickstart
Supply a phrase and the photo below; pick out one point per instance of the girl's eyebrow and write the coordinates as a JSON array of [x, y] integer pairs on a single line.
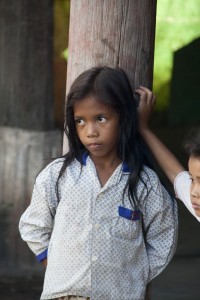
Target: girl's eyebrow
[[198, 177], [102, 114], [96, 115], [75, 116]]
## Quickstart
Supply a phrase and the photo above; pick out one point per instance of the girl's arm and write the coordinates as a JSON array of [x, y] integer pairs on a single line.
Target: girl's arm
[[167, 161], [36, 223], [160, 224]]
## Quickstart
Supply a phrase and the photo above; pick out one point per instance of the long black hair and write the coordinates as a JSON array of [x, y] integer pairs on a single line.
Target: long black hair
[[110, 86]]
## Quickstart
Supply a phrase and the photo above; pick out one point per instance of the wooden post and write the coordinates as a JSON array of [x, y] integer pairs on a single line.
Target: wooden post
[[26, 60], [113, 33]]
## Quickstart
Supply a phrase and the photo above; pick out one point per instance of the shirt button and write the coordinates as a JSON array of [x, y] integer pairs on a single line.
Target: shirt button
[[97, 226], [94, 258], [100, 195]]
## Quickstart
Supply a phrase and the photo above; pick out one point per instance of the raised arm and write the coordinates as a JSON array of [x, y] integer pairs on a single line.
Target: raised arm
[[166, 159]]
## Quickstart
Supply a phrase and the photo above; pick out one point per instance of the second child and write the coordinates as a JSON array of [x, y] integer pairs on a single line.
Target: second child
[[186, 183]]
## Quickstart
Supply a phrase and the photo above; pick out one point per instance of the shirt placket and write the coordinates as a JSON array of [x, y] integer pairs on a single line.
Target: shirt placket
[[98, 237]]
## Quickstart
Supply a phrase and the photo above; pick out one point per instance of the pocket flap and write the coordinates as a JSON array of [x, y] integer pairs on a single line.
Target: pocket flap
[[129, 214]]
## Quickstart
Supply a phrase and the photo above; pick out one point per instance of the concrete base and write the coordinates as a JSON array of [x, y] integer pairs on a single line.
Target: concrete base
[[23, 154]]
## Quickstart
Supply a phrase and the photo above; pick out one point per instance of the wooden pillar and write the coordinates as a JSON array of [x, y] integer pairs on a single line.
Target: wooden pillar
[[26, 76], [27, 132], [113, 33]]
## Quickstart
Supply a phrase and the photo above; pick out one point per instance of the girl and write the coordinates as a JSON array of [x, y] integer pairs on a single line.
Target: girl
[[186, 184], [99, 215]]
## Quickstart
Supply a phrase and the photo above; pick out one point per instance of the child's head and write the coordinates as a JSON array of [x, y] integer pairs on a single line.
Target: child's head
[[111, 88], [108, 89], [192, 147], [192, 143]]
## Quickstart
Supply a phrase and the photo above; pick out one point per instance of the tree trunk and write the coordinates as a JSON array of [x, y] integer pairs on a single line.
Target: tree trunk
[[115, 33]]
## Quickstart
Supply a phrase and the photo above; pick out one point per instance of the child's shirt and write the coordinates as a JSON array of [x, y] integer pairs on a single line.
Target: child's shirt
[[182, 186], [96, 244]]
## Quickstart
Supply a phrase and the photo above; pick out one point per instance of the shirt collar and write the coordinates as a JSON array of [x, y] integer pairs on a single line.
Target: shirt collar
[[125, 167]]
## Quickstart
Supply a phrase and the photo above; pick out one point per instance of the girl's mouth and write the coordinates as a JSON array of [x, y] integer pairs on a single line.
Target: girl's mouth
[[195, 206], [94, 146]]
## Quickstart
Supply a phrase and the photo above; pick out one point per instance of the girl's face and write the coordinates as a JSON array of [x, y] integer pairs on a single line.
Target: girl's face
[[97, 126], [194, 170]]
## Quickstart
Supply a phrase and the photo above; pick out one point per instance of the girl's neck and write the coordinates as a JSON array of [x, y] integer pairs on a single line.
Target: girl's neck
[[105, 169], [102, 164]]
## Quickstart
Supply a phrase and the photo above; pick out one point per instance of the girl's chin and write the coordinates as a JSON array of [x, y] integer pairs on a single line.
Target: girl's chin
[[197, 213]]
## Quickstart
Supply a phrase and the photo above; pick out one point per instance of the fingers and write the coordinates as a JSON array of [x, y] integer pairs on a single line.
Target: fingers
[[145, 107], [147, 97]]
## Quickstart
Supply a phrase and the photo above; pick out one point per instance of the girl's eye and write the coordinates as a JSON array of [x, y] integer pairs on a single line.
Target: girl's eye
[[101, 119], [79, 122], [191, 179]]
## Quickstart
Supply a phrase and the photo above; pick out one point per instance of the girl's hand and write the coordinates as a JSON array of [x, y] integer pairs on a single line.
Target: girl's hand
[[145, 107], [44, 262]]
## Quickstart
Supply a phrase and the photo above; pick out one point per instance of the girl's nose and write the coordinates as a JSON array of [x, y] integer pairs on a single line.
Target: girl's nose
[[92, 130], [195, 191]]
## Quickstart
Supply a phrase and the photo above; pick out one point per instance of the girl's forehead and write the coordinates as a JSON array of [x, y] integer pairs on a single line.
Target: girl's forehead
[[92, 104]]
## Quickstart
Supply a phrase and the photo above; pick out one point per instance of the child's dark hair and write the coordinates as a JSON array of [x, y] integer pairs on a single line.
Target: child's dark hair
[[192, 143], [112, 87]]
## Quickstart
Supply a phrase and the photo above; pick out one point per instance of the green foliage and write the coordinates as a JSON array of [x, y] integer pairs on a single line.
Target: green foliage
[[64, 54], [61, 27], [177, 24]]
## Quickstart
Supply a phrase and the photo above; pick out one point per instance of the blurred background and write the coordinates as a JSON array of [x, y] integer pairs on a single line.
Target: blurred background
[[33, 65]]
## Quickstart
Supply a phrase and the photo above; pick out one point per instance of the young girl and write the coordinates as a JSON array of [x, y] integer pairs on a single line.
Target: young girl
[[99, 215], [186, 184]]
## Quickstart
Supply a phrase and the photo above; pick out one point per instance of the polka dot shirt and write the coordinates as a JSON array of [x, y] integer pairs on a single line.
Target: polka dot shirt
[[96, 243]]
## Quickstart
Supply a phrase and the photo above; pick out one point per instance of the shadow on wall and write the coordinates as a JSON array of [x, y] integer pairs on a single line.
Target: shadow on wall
[[184, 106]]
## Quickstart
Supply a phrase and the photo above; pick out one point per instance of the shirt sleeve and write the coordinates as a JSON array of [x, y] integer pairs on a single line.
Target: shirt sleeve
[[182, 186], [36, 223], [160, 223]]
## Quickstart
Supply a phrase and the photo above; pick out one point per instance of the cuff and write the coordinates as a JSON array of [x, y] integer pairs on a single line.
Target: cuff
[[40, 257]]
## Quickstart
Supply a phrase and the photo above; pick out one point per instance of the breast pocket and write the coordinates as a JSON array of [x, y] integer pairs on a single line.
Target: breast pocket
[[127, 225]]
